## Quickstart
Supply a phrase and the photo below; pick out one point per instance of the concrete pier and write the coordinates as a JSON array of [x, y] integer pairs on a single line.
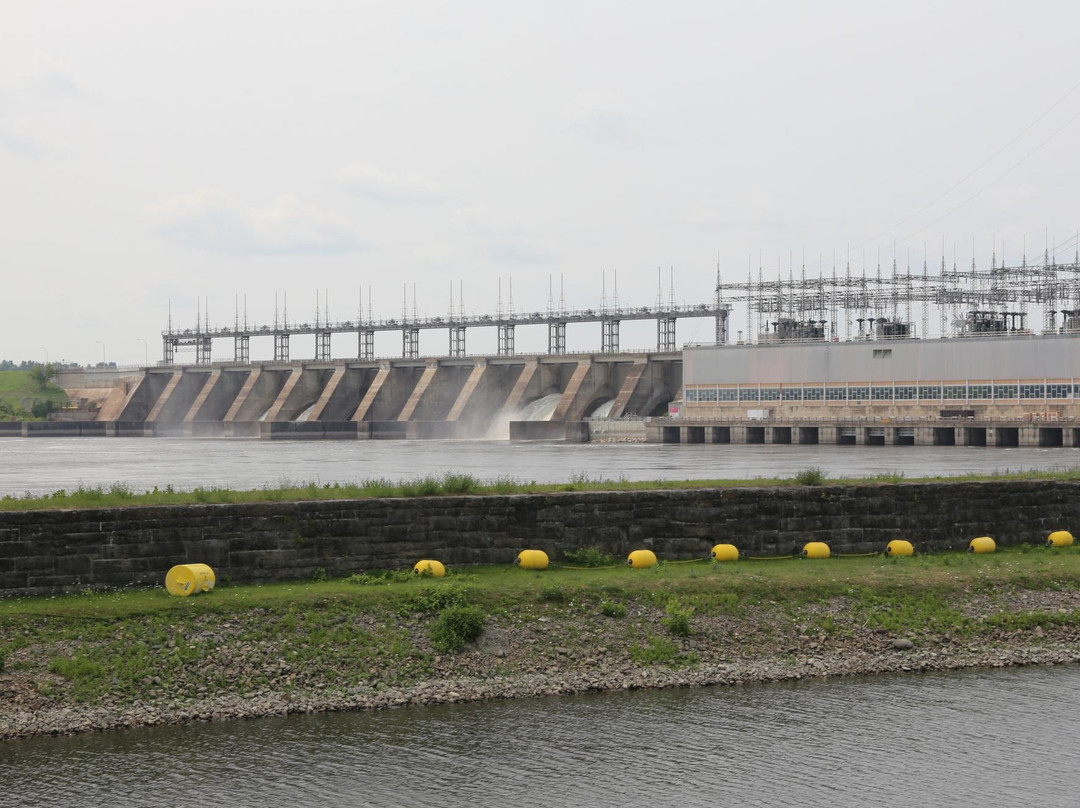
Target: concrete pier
[[857, 432]]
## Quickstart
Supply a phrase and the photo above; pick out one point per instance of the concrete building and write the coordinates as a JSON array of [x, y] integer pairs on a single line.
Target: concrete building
[[983, 377]]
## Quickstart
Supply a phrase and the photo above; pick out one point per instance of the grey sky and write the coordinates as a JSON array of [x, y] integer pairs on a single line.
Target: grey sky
[[151, 151]]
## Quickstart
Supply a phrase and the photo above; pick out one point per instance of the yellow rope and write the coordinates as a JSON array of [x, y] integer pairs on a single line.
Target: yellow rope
[[699, 560]]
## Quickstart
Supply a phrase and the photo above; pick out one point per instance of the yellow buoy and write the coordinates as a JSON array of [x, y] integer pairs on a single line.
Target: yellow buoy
[[430, 568], [815, 549], [187, 579], [725, 552], [1059, 538], [899, 547], [983, 544], [641, 559], [532, 560]]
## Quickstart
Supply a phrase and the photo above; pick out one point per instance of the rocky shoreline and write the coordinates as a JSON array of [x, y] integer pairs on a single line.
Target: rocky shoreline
[[24, 717]]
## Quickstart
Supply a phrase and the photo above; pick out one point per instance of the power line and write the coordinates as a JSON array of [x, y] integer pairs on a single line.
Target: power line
[[978, 168], [1000, 177]]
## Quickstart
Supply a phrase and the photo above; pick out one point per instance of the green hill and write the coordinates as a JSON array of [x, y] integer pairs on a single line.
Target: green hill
[[23, 399]]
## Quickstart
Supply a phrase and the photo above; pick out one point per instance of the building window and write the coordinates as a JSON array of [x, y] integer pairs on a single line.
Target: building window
[[882, 353], [1004, 391], [881, 393], [836, 394], [955, 392], [858, 393], [727, 394], [748, 394], [708, 394], [905, 393], [770, 393], [978, 391], [813, 393], [691, 395], [1031, 391], [1058, 390], [931, 392], [792, 394]]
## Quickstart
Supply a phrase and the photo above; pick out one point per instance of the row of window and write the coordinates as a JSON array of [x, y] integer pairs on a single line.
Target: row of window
[[885, 392]]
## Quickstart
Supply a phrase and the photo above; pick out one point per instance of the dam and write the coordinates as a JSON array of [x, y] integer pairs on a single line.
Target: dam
[[983, 375], [455, 395], [540, 397]]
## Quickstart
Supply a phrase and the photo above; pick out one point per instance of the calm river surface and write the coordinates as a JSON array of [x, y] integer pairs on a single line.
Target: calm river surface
[[977, 738], [42, 465]]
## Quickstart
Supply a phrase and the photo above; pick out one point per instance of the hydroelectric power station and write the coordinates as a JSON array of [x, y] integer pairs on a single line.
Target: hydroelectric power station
[[409, 396], [961, 357]]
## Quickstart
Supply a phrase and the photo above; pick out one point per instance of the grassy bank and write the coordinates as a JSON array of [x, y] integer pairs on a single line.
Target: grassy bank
[[373, 632], [122, 495], [24, 399]]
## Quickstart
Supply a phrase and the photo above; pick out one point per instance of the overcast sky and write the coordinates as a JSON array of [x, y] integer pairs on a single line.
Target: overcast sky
[[175, 151]]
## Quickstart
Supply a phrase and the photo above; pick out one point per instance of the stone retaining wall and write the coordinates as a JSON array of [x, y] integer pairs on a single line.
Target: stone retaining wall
[[54, 551]]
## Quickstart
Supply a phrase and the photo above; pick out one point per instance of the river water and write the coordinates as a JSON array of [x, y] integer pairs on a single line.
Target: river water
[[976, 738], [42, 465]]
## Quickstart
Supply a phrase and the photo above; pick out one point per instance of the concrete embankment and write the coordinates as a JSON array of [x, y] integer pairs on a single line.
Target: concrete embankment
[[44, 552]]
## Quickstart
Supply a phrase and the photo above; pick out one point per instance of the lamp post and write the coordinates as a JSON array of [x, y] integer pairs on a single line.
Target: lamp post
[[102, 344], [46, 350], [146, 351]]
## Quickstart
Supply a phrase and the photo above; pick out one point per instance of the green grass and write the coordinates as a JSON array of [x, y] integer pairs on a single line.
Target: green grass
[[451, 484], [19, 393], [146, 644], [721, 588], [588, 557], [656, 650]]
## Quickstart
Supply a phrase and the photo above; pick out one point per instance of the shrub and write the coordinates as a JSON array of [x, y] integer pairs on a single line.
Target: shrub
[[589, 557], [888, 477], [505, 484], [455, 626], [421, 487], [611, 609], [380, 577], [553, 594], [678, 616], [120, 490], [41, 375], [459, 483], [437, 598], [811, 476], [378, 487], [42, 409]]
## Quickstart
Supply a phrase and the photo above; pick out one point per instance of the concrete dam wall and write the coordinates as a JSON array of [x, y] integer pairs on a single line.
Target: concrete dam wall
[[447, 397], [43, 552]]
